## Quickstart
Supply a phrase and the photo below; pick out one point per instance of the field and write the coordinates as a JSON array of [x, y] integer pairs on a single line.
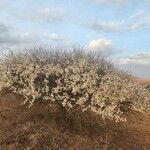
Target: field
[[71, 101]]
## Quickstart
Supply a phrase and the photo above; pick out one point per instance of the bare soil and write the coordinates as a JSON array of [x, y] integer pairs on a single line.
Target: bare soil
[[43, 128]]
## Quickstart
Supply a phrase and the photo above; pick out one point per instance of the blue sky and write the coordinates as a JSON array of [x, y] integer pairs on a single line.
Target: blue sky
[[119, 29]]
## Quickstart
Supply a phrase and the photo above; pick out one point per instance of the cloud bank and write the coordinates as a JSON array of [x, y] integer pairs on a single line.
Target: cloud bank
[[132, 23]]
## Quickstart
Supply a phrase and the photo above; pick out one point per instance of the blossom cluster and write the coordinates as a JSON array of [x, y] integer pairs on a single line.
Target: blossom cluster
[[72, 79]]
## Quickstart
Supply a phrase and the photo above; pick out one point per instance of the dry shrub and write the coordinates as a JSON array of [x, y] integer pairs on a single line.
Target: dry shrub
[[72, 79]]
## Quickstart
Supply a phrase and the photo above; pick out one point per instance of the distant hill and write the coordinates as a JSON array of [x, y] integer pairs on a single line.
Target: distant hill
[[140, 80]]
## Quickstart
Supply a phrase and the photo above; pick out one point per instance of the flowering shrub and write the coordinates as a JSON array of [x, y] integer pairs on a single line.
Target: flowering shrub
[[72, 79]]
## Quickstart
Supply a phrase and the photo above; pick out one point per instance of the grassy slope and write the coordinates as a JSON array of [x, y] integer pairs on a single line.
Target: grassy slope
[[44, 128]]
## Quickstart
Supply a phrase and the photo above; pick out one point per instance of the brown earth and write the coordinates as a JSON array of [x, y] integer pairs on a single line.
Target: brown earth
[[43, 128]]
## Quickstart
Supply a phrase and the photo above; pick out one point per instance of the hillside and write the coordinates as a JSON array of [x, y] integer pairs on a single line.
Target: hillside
[[70, 101], [36, 128], [144, 81]]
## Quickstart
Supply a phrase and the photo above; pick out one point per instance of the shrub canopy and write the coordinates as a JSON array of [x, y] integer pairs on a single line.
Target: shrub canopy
[[72, 79]]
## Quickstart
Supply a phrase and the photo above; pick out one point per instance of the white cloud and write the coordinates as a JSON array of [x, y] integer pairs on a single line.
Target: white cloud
[[54, 37], [120, 4], [143, 55], [138, 64], [47, 15], [3, 28], [138, 15], [115, 3], [129, 61], [10, 37], [102, 46], [135, 26], [138, 59], [138, 20], [3, 4], [133, 22], [108, 26]]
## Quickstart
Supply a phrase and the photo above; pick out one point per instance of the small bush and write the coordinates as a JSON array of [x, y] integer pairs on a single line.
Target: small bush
[[72, 79]]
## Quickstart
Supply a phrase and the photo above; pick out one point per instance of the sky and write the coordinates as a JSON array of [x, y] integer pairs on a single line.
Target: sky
[[119, 29]]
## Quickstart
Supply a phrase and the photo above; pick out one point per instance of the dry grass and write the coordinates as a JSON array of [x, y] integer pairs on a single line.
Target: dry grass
[[36, 128]]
